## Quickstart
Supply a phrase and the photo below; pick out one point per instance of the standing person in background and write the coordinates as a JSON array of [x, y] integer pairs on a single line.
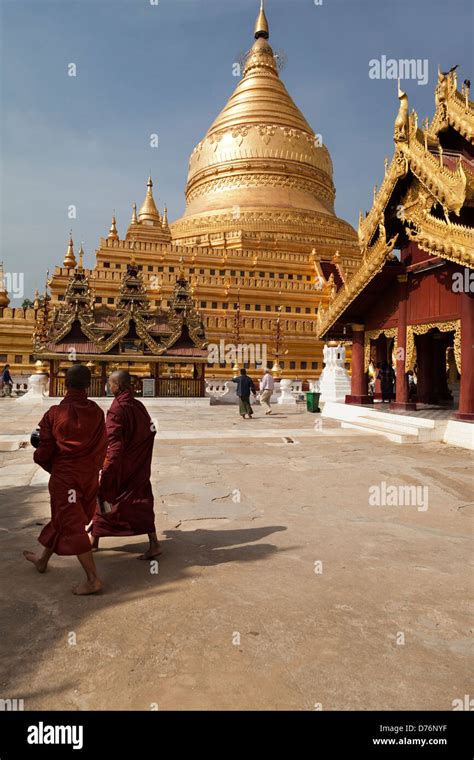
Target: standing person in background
[[245, 386], [386, 376], [267, 385], [7, 382]]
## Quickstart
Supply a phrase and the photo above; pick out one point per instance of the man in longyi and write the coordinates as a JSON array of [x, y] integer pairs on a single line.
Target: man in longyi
[[72, 446], [125, 480]]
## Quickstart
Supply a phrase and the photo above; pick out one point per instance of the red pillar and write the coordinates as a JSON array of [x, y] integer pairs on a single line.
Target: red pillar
[[359, 393], [466, 396], [401, 398]]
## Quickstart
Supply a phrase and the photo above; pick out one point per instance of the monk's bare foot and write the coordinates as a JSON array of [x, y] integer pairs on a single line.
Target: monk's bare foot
[[152, 552], [38, 562], [88, 587]]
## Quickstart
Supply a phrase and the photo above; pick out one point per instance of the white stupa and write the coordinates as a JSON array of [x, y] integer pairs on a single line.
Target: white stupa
[[334, 382]]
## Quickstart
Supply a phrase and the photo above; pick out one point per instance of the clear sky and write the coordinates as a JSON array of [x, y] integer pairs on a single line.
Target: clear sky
[[167, 68]]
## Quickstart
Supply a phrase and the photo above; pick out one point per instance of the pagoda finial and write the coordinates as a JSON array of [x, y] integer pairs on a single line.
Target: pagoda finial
[[113, 234], [69, 259], [148, 211], [165, 217], [4, 298], [134, 214], [181, 274], [261, 27], [80, 267], [36, 303], [46, 285]]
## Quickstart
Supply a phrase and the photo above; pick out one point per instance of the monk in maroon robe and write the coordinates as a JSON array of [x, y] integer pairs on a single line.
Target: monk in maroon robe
[[72, 446], [125, 481]]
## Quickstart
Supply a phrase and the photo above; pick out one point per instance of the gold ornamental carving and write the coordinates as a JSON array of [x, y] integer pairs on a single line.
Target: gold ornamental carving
[[412, 330], [389, 332]]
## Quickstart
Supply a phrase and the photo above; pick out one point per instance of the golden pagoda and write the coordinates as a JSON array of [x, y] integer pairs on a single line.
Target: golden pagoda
[[259, 233], [261, 176]]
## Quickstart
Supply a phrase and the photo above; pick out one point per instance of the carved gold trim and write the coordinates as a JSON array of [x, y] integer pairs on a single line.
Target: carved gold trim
[[389, 332], [412, 330]]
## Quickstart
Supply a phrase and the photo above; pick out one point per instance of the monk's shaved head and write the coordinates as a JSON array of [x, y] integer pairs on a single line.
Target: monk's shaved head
[[78, 376], [119, 381]]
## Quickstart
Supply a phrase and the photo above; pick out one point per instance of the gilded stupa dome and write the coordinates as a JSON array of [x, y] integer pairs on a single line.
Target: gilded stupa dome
[[260, 172]]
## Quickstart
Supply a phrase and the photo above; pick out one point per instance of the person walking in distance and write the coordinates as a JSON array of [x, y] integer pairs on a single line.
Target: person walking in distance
[[245, 387], [267, 385]]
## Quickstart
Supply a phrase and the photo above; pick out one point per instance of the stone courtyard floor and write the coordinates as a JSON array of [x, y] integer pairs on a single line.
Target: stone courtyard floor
[[279, 587]]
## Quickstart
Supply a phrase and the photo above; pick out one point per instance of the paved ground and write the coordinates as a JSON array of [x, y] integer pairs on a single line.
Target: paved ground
[[280, 586]]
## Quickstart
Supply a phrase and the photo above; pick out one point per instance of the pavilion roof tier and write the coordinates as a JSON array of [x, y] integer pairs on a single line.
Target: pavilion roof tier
[[130, 329]]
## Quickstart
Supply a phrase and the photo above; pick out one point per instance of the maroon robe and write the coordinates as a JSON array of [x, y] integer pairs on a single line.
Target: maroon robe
[[73, 442], [125, 479]]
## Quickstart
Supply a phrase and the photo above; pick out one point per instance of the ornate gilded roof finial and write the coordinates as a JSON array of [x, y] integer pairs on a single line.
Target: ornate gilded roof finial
[[465, 88], [165, 217], [80, 267], [148, 211], [261, 27], [400, 133], [134, 214], [4, 298], [36, 303], [181, 274], [113, 234], [375, 193], [69, 259], [386, 165], [46, 286], [425, 124]]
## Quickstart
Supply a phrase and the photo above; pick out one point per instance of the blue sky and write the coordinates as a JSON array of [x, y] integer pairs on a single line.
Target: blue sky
[[167, 69]]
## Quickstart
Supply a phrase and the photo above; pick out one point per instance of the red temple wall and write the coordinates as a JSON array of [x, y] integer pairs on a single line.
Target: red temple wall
[[430, 298]]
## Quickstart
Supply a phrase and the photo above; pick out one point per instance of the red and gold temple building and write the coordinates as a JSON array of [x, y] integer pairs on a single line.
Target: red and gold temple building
[[411, 302]]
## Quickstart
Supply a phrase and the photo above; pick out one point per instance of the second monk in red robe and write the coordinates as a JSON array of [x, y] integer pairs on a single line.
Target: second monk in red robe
[[125, 480]]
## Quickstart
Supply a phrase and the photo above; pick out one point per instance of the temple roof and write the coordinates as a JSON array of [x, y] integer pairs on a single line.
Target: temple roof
[[130, 328], [425, 197]]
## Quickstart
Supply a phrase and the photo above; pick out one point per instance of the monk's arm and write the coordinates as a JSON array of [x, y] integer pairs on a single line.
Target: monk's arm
[[44, 454], [110, 478]]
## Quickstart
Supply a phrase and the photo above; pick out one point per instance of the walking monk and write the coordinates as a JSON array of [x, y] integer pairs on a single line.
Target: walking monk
[[125, 480], [72, 446]]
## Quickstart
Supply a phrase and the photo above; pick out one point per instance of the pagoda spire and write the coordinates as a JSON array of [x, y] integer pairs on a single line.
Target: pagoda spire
[[69, 259], [113, 234], [165, 217], [134, 214], [4, 298], [148, 211], [81, 258], [261, 27]]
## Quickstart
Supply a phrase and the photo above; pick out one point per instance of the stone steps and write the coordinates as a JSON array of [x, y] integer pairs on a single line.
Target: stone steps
[[398, 431]]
